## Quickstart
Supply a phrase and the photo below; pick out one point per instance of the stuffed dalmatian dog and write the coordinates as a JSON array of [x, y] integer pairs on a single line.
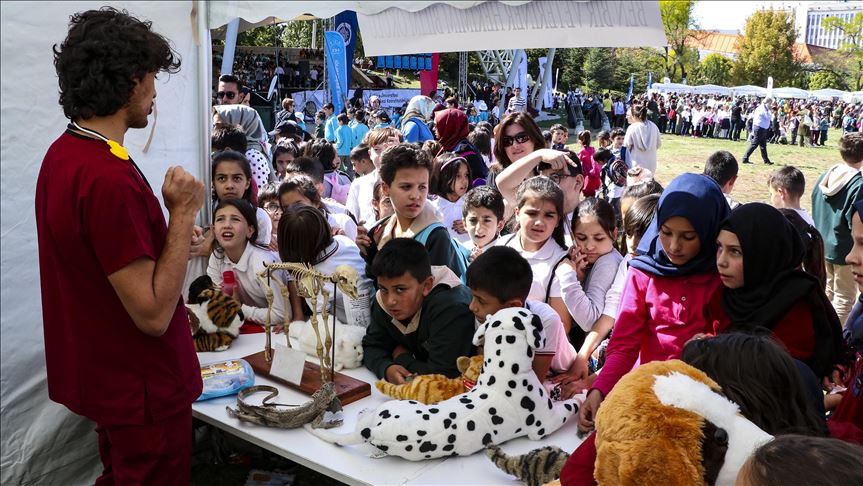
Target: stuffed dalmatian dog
[[508, 401]]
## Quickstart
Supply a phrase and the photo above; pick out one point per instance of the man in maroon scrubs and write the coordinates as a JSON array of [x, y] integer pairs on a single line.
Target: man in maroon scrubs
[[118, 346]]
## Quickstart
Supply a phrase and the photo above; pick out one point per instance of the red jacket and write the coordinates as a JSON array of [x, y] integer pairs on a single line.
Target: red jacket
[[592, 171]]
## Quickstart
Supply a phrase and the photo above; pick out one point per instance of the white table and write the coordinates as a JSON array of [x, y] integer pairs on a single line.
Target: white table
[[353, 465]]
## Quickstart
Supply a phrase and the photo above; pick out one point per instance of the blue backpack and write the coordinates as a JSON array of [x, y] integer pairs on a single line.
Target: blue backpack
[[462, 253]]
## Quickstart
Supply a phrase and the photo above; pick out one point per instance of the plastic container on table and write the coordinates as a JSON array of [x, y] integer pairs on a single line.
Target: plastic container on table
[[225, 378]]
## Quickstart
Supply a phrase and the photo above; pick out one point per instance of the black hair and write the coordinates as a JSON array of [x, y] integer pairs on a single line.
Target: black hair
[[799, 459], [638, 217], [546, 134], [237, 158], [360, 152], [603, 155], [360, 116], [329, 106], [445, 172], [584, 138], [303, 234], [757, 374], [639, 110], [544, 188], [402, 156], [788, 178], [303, 184], [502, 272], [402, 256], [324, 151], [481, 140], [343, 119], [308, 166], [484, 197], [721, 166], [637, 191], [230, 78], [813, 245], [559, 127], [604, 135], [105, 54], [228, 137], [599, 209], [269, 191], [486, 127], [573, 168], [249, 213], [618, 132]]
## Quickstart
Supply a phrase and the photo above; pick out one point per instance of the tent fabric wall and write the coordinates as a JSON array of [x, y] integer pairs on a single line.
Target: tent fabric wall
[[42, 442]]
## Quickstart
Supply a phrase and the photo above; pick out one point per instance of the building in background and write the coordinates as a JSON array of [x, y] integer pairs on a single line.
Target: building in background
[[809, 16]]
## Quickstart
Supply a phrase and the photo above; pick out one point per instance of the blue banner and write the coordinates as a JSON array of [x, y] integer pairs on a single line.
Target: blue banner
[[649, 80], [631, 86], [346, 25], [337, 69]]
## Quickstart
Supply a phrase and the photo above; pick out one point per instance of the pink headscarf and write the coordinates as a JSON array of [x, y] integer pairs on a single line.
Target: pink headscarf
[[452, 127]]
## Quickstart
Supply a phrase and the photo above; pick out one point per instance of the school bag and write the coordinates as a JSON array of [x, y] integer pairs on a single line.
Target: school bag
[[616, 171], [462, 253]]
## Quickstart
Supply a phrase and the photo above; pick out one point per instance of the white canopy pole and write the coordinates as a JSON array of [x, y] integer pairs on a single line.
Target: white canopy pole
[[546, 80], [230, 46]]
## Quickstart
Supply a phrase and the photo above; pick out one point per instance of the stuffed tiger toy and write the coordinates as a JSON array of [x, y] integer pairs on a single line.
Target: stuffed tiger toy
[[430, 389], [215, 317], [535, 468]]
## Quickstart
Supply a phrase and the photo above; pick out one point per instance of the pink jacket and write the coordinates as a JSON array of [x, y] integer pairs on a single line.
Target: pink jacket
[[656, 317], [591, 171]]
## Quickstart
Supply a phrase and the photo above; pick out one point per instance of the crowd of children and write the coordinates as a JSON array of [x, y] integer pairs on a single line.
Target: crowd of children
[[620, 270]]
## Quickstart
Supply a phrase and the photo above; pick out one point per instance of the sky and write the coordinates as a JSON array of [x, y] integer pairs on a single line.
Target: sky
[[723, 15]]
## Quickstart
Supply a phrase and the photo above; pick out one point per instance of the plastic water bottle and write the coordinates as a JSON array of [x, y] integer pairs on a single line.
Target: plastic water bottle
[[229, 282]]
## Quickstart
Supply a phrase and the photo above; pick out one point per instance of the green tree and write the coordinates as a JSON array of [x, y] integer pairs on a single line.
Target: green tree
[[680, 30], [766, 49], [598, 70], [714, 69], [571, 64], [851, 48], [827, 79]]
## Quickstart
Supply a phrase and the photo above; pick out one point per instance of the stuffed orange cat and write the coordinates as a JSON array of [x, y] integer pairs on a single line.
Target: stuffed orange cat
[[431, 389]]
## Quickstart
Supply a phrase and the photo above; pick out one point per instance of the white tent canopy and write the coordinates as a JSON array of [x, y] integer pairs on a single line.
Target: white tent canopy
[[671, 88], [790, 93], [711, 89], [828, 93], [749, 89], [42, 442], [853, 96], [414, 27]]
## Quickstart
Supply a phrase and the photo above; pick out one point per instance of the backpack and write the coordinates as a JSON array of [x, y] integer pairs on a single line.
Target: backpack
[[462, 253], [616, 170]]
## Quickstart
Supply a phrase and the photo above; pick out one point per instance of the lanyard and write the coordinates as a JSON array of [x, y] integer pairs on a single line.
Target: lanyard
[[116, 149]]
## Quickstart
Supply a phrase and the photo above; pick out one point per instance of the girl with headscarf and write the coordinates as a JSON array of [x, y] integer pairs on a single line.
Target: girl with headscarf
[[413, 122], [759, 256], [668, 284], [256, 149], [452, 129]]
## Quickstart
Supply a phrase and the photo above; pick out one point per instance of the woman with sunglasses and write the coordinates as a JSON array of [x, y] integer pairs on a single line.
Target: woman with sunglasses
[[521, 153]]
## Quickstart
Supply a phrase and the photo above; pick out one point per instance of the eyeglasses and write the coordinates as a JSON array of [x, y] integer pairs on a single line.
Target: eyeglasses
[[518, 138], [272, 208], [558, 176], [226, 94]]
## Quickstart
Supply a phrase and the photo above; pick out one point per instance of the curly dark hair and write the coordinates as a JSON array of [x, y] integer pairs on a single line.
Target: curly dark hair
[[103, 57]]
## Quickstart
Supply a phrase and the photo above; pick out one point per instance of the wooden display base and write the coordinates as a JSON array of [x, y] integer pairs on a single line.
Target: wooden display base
[[348, 390]]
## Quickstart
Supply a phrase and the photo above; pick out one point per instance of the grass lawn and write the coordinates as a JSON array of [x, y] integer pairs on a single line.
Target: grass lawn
[[686, 154]]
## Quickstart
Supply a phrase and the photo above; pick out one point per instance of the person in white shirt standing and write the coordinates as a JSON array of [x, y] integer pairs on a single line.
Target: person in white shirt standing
[[761, 120], [517, 104]]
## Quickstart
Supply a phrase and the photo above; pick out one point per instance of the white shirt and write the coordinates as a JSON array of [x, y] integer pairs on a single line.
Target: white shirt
[[265, 227], [360, 197], [313, 74], [450, 213], [355, 312], [803, 214], [761, 117], [541, 262], [344, 222], [556, 340], [612, 297], [586, 303], [251, 292]]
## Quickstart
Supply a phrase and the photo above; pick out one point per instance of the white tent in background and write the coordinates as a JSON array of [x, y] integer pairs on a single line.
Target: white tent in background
[[791, 93], [828, 93], [749, 89], [712, 89], [42, 442], [852, 97], [671, 88]]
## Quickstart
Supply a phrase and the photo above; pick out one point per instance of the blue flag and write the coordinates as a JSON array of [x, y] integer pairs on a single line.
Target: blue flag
[[346, 25], [631, 86], [337, 68], [649, 80]]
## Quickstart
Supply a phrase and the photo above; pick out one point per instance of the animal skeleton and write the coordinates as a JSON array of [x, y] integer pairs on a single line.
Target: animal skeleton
[[310, 283]]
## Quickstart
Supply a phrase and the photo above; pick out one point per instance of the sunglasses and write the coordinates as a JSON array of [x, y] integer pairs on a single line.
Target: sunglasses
[[518, 138], [226, 94]]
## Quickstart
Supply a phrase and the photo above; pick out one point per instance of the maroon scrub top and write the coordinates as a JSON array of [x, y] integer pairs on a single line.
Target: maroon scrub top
[[95, 214]]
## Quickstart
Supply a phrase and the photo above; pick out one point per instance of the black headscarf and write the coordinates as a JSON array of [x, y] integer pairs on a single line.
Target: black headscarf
[[773, 281]]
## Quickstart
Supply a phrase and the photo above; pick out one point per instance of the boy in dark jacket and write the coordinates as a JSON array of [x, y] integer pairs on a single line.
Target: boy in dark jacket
[[833, 200], [421, 321]]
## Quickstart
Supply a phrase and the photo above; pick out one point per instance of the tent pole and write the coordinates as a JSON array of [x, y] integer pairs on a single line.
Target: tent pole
[[205, 75], [546, 80], [230, 46]]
